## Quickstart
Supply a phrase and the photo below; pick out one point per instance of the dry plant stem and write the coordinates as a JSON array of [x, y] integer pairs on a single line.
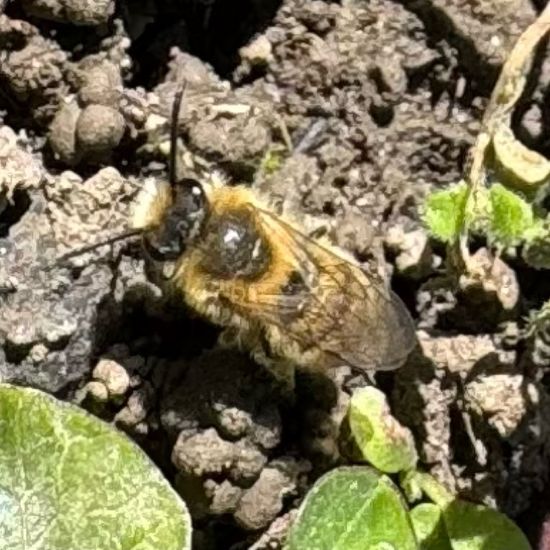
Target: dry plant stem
[[507, 91], [285, 134]]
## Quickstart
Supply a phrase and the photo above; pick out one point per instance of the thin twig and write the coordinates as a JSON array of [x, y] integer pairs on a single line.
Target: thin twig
[[508, 89]]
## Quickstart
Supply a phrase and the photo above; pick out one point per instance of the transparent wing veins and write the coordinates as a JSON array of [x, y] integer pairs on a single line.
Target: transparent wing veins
[[320, 327]]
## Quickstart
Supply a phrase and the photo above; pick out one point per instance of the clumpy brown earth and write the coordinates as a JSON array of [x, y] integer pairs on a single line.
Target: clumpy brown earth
[[346, 113]]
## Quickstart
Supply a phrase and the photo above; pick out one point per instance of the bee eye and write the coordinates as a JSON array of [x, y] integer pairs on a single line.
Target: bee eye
[[189, 193], [189, 208], [181, 224]]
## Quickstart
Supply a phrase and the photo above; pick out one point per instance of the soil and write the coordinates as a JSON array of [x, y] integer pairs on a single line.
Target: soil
[[346, 113]]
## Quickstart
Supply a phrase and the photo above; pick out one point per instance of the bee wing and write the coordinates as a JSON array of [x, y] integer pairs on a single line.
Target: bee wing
[[350, 315]]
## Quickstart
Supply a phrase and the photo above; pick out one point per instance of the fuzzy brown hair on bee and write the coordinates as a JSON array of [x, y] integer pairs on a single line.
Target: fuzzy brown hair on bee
[[288, 299], [283, 296]]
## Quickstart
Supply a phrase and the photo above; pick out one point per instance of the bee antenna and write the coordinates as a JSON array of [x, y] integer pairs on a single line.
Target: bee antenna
[[79, 251], [174, 132]]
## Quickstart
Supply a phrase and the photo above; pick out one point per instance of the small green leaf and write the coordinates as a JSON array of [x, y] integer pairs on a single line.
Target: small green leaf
[[429, 527], [69, 481], [384, 442], [511, 217], [536, 249], [410, 486], [445, 211], [418, 481], [476, 527], [271, 162], [352, 508]]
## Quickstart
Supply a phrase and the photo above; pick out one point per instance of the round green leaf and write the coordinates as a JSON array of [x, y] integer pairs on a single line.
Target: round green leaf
[[476, 527], [429, 527], [384, 442], [353, 508], [511, 217], [445, 211], [69, 481]]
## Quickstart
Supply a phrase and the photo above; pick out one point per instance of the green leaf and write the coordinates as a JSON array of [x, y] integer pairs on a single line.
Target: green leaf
[[384, 442], [511, 217], [271, 162], [352, 508], [416, 482], [536, 249], [69, 481], [429, 527], [476, 527], [445, 211]]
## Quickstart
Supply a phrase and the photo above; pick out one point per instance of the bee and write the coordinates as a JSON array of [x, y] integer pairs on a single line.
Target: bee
[[283, 296]]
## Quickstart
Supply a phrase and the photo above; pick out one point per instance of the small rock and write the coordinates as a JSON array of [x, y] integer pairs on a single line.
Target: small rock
[[232, 421], [78, 12], [84, 214], [135, 381], [58, 328], [531, 124], [414, 258], [114, 376], [141, 429], [248, 462], [494, 275], [457, 354], [99, 129], [62, 136], [224, 497], [38, 353], [276, 534], [504, 399], [202, 453], [267, 428], [22, 335], [102, 85], [257, 52], [487, 295], [264, 500], [354, 233], [32, 68], [95, 390], [18, 168], [137, 407]]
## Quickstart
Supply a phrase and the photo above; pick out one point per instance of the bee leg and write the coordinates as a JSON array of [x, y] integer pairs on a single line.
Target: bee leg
[[255, 341], [114, 261], [235, 337], [283, 370], [229, 338]]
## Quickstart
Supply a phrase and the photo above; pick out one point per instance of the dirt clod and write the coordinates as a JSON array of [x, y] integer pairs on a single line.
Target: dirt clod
[[99, 129], [77, 12], [203, 453], [264, 500], [114, 376]]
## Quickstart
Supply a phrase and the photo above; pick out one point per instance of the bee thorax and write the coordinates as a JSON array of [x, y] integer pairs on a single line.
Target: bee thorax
[[235, 249]]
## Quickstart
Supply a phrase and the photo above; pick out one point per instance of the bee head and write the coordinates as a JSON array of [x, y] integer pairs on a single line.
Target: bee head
[[171, 213], [180, 223], [168, 215]]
